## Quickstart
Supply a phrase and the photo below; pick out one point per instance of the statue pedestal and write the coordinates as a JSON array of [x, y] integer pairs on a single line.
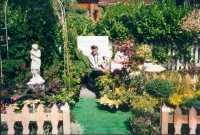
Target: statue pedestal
[[38, 89], [36, 86], [37, 80]]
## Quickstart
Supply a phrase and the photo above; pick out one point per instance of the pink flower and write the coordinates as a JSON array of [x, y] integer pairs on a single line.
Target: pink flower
[[15, 97]]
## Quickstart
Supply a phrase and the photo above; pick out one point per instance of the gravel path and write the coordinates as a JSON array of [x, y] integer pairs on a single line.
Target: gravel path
[[86, 93]]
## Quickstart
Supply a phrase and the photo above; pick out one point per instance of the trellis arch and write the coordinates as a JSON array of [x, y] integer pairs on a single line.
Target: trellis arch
[[3, 34]]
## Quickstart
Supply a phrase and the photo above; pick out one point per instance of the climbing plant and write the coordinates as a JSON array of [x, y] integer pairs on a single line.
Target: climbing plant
[[77, 24]]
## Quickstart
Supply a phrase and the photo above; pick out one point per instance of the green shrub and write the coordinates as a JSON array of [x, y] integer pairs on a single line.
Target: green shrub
[[137, 83], [112, 28], [192, 102], [144, 103], [114, 98], [157, 24], [53, 77], [64, 95], [114, 21], [144, 124], [160, 53], [80, 24], [104, 82], [159, 88]]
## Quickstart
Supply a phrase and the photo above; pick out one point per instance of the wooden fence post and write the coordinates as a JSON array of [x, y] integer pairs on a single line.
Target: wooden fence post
[[54, 119], [39, 119], [25, 119], [192, 120], [66, 120], [178, 120], [164, 119], [10, 121]]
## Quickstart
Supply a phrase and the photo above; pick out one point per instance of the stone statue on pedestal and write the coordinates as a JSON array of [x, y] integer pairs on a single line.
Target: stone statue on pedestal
[[35, 66]]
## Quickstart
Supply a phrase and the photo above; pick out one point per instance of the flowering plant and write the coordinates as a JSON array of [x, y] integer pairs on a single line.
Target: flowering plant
[[127, 47], [190, 23], [113, 98], [143, 52]]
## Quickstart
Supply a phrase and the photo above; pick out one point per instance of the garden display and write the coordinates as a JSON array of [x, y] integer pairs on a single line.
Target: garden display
[[117, 73]]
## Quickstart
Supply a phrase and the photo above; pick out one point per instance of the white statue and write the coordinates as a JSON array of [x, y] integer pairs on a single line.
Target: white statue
[[35, 66]]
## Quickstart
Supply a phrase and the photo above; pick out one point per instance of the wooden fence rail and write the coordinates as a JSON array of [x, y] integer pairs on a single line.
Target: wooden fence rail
[[55, 115], [177, 118]]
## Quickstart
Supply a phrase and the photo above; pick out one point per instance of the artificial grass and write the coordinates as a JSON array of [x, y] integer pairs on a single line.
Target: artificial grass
[[96, 120]]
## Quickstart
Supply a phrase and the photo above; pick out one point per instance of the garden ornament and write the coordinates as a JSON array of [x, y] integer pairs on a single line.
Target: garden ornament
[[35, 66], [150, 67]]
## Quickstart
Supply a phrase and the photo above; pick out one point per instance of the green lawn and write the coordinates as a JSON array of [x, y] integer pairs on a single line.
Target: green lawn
[[99, 121]]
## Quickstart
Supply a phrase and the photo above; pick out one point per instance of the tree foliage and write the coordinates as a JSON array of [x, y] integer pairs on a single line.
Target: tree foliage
[[36, 22], [30, 22], [158, 24]]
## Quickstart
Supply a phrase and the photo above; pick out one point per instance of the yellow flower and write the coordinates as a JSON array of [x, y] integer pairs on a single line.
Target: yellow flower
[[119, 91], [176, 100], [104, 100]]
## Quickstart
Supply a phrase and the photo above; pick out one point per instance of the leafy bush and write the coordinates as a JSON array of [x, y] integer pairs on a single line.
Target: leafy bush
[[183, 88], [160, 88], [183, 82], [144, 103], [186, 100], [113, 21], [80, 24], [104, 82], [65, 95], [53, 77], [137, 83], [113, 98], [120, 90], [144, 124], [143, 52], [112, 28], [192, 102], [78, 63], [160, 53], [157, 24]]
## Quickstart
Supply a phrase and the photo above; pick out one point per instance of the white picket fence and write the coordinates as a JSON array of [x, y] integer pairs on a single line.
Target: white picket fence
[[181, 64], [55, 115]]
